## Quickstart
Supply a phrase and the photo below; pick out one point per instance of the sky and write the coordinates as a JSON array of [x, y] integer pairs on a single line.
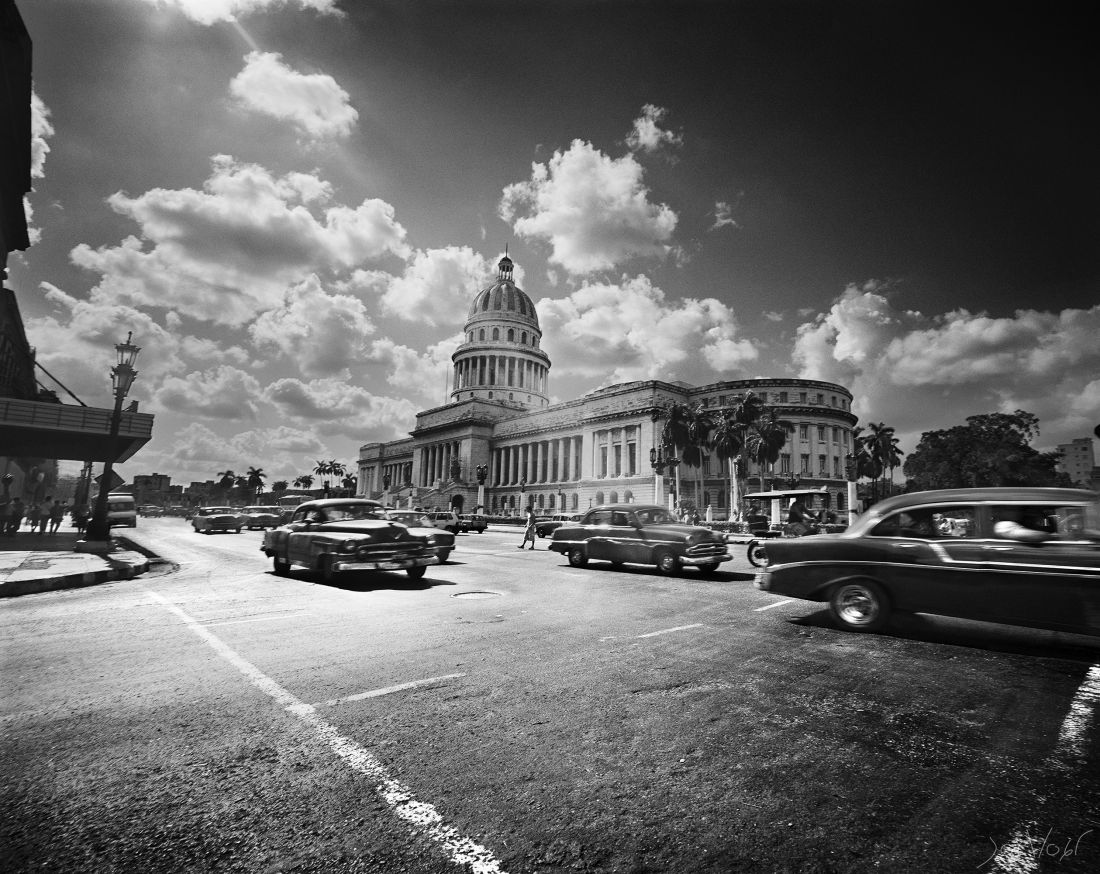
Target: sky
[[292, 203]]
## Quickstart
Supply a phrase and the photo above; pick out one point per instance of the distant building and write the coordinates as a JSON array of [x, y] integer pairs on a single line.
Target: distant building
[[1079, 462], [153, 488], [572, 455]]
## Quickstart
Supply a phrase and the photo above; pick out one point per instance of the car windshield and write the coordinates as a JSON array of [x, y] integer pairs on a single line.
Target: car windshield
[[345, 512], [261, 509], [215, 511], [654, 516]]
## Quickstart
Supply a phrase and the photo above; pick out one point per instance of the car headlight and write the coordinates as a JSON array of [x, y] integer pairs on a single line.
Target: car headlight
[[349, 545]]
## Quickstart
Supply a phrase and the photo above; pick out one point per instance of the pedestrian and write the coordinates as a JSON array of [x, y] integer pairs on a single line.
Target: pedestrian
[[529, 530], [34, 513], [44, 517], [695, 517], [16, 518], [5, 516], [57, 513], [80, 518]]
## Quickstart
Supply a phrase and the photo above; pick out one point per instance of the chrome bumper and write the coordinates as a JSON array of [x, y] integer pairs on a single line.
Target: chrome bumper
[[350, 564], [706, 559]]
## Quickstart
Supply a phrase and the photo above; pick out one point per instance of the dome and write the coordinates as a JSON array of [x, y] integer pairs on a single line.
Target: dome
[[504, 297]]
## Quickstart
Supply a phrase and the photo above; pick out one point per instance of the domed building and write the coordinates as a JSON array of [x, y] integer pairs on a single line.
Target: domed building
[[500, 445]]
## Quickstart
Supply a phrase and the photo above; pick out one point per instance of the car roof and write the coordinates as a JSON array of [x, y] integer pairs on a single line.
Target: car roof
[[984, 495], [338, 502], [628, 507]]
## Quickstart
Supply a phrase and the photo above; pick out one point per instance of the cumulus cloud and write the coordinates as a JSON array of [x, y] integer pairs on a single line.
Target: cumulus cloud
[[339, 408], [920, 372], [592, 209], [212, 11], [222, 392], [420, 374], [312, 102], [41, 131], [647, 135], [627, 331], [232, 249], [324, 334]]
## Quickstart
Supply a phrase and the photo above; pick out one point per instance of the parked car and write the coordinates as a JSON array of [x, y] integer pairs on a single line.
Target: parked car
[[261, 517], [546, 527], [473, 522], [121, 510], [639, 534], [445, 519], [1021, 556], [418, 522], [207, 520], [335, 535]]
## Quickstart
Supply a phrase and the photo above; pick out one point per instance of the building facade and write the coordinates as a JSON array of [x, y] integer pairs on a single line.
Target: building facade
[[500, 445], [1079, 462]]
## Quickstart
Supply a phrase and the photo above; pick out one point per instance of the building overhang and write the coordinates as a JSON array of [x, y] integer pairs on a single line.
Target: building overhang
[[50, 430]]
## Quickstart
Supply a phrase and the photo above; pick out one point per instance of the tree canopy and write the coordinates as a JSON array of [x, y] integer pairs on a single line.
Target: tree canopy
[[993, 449]]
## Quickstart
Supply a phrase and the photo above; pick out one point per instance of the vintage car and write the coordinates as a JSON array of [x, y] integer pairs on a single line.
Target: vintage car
[[447, 520], [418, 521], [546, 527], [1020, 556], [472, 522], [639, 534], [261, 517], [210, 519], [335, 535]]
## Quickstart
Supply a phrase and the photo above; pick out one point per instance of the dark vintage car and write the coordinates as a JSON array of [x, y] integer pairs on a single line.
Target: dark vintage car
[[336, 535], [639, 534], [418, 522], [472, 523], [261, 517], [546, 527], [1021, 556], [210, 519]]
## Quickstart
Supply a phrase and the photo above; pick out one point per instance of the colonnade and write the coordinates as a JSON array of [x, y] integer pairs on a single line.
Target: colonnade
[[541, 461], [435, 461], [508, 371]]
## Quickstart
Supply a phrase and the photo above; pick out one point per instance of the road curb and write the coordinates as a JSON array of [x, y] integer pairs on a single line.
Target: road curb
[[122, 566]]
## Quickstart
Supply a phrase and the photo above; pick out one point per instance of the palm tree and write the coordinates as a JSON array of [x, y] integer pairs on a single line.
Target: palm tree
[[226, 480], [674, 433], [304, 481], [256, 480], [765, 439], [279, 486], [885, 448], [349, 484], [321, 468]]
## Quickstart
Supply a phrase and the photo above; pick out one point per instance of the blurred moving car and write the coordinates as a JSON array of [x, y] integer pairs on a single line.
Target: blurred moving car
[[261, 517], [1019, 556], [336, 535], [473, 522], [639, 534], [121, 510], [210, 519], [445, 519], [545, 527], [420, 524], [150, 510]]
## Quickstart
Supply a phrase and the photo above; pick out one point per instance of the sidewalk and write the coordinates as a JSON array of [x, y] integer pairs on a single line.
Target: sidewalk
[[31, 563]]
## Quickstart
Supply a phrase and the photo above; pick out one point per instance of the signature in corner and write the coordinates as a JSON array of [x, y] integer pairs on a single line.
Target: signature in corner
[[1025, 845]]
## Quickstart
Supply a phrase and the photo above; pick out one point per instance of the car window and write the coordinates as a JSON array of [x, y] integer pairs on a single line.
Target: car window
[[928, 523], [344, 512], [1034, 517], [654, 516], [621, 520], [599, 517]]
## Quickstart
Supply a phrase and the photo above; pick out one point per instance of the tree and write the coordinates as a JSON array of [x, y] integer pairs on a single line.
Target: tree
[[304, 481], [765, 439], [882, 452], [349, 483], [686, 429], [321, 468], [256, 479], [989, 450], [728, 438], [226, 480], [279, 486]]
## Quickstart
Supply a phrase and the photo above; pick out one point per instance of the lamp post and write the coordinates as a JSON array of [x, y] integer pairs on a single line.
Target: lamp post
[[522, 492], [122, 379], [482, 471], [851, 469], [661, 458], [561, 501]]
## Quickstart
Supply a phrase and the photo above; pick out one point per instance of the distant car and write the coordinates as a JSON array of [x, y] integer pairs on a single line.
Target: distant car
[[546, 527], [336, 535], [445, 519], [473, 522], [210, 519], [1020, 556], [639, 534], [261, 517], [150, 510], [418, 522]]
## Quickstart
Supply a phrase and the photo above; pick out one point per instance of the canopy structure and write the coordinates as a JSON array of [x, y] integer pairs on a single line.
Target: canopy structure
[[785, 493], [64, 431]]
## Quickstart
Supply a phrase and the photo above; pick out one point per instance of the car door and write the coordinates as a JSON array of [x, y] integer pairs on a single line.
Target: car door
[[627, 542], [597, 533], [931, 559], [1052, 583]]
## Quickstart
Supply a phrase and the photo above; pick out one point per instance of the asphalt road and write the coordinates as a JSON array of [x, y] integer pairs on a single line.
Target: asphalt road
[[510, 713]]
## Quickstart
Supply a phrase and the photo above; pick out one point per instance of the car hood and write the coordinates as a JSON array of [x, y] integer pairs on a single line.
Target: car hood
[[378, 529], [681, 531]]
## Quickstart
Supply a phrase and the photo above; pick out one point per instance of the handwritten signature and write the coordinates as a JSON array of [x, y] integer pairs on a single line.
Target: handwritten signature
[[1047, 848]]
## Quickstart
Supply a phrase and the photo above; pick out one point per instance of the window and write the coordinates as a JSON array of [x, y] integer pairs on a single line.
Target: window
[[820, 398], [523, 338], [836, 468], [496, 333], [802, 397], [820, 433], [803, 432], [784, 462], [511, 335], [805, 463], [782, 397], [481, 333], [821, 468], [836, 435], [832, 399]]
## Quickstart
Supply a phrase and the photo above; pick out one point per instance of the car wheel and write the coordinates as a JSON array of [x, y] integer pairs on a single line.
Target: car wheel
[[758, 555], [282, 568], [710, 567], [667, 563], [453, 530], [416, 573], [578, 557], [444, 556], [859, 605], [238, 530]]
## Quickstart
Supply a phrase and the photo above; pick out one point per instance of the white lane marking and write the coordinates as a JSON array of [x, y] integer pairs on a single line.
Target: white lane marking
[[377, 693], [1019, 855], [257, 619], [776, 604], [420, 815], [670, 630]]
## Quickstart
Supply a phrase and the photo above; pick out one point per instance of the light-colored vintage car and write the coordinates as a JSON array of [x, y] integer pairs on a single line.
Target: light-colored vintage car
[[418, 521], [210, 519], [261, 517], [337, 535], [639, 534]]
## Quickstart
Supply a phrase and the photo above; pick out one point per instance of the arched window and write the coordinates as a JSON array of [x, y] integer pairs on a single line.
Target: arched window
[[523, 338], [496, 333], [628, 497], [470, 337], [706, 498], [511, 335], [599, 497], [576, 501], [614, 498], [481, 334], [490, 394], [551, 502], [542, 498]]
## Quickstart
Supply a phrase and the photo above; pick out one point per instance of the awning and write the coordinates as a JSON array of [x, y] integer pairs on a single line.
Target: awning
[[62, 431]]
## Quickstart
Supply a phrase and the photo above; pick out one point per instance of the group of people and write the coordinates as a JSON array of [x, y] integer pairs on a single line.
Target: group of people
[[40, 518]]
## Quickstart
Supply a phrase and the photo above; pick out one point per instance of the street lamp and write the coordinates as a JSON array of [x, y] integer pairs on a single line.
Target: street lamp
[[522, 492], [561, 501], [122, 379], [661, 458]]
